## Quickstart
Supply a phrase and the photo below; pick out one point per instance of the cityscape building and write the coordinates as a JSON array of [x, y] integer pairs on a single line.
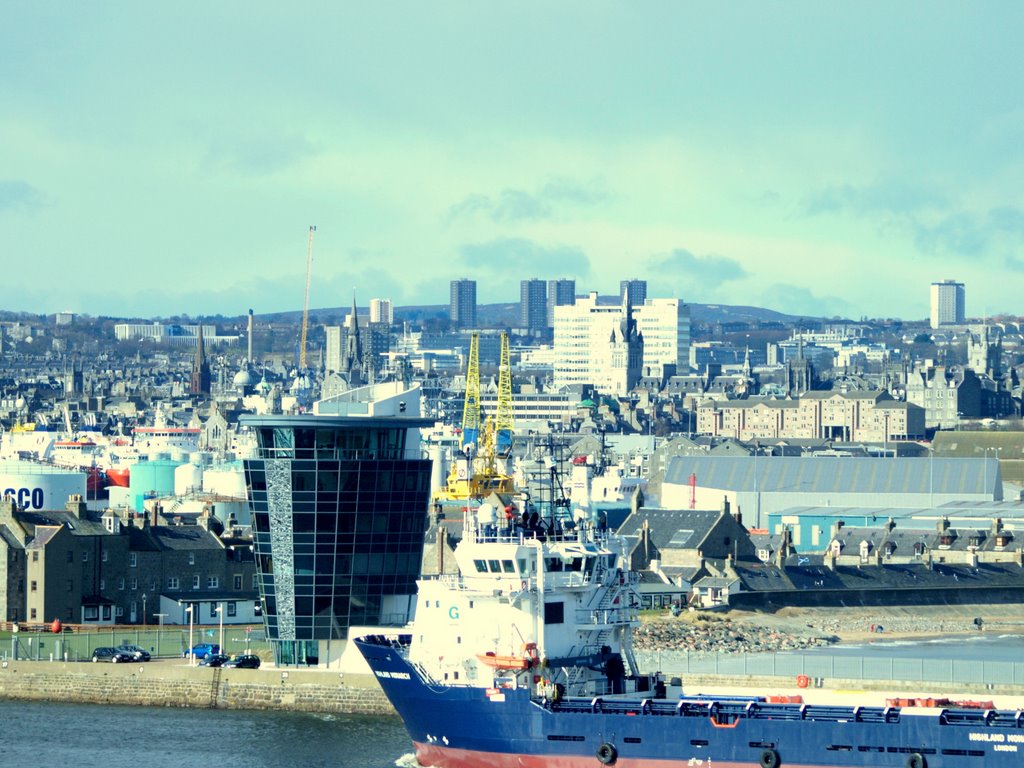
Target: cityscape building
[[175, 335], [637, 290], [560, 292], [339, 504], [597, 344], [947, 303], [381, 311], [462, 309], [533, 305], [665, 325]]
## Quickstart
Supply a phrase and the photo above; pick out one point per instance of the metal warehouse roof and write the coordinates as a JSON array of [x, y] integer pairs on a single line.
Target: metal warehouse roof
[[846, 474]]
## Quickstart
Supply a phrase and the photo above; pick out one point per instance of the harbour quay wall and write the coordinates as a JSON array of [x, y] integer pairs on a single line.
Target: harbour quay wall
[[163, 684]]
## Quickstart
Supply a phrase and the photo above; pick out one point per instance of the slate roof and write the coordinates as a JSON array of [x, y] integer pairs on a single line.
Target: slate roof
[[671, 528], [763, 578], [44, 533], [186, 537], [76, 525], [9, 538]]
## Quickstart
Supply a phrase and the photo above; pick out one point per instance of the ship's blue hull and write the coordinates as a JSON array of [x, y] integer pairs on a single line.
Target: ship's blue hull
[[455, 726]]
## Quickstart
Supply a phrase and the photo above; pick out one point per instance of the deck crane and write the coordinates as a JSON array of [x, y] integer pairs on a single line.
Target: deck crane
[[305, 302]]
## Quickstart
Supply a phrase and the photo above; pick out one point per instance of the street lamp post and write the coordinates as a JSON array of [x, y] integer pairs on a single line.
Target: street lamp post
[[220, 610], [143, 610], [191, 622]]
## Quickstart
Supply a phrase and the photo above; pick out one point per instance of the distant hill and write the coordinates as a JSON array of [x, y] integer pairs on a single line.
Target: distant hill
[[496, 315]]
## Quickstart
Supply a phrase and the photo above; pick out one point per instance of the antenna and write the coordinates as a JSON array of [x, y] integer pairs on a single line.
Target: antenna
[[305, 302]]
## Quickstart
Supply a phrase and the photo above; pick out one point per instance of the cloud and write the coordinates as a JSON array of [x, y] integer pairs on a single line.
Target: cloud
[[574, 192], [710, 270], [884, 197], [970, 234], [258, 154], [525, 257], [959, 233], [517, 205], [514, 205], [15, 193]]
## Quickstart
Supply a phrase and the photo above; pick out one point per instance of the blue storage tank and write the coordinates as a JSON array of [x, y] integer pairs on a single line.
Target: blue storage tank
[[149, 479]]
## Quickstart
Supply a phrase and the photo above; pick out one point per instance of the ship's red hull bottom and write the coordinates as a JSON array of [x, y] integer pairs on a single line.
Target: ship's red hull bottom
[[446, 757]]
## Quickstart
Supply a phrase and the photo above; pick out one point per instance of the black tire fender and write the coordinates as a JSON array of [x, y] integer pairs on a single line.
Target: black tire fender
[[916, 760], [607, 754], [769, 759]]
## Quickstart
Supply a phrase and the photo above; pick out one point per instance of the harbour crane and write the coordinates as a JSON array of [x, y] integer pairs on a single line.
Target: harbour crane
[[504, 423], [305, 303], [471, 405]]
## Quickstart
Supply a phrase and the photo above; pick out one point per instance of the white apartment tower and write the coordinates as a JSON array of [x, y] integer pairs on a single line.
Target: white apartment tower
[[381, 311], [947, 303], [597, 344], [665, 325], [332, 347]]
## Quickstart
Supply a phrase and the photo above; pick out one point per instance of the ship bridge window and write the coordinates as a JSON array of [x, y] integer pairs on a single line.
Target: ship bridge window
[[507, 566], [553, 564], [494, 566], [481, 566], [525, 566]]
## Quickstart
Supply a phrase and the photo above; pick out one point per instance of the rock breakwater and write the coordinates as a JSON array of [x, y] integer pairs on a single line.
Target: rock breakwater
[[709, 633]]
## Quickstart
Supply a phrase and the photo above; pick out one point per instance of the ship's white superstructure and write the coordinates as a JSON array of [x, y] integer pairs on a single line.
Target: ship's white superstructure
[[534, 604]]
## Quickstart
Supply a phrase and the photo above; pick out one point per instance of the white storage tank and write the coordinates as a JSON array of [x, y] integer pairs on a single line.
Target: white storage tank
[[39, 486], [225, 480], [187, 478]]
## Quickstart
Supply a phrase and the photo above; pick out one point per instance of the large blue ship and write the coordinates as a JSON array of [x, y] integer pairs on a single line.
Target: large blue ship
[[524, 659]]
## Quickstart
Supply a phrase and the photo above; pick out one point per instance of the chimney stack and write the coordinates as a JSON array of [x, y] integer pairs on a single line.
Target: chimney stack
[[76, 506]]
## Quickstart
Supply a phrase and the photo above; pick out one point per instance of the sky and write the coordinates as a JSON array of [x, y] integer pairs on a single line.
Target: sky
[[816, 158]]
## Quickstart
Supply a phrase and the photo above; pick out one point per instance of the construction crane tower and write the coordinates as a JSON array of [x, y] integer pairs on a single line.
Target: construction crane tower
[[504, 423], [471, 405], [305, 302]]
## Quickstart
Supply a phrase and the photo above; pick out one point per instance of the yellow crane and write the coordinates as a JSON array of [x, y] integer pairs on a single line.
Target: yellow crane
[[471, 405], [305, 302], [504, 423]]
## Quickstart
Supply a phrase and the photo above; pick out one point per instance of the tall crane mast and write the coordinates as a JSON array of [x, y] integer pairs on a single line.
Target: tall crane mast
[[305, 302], [504, 423], [471, 405]]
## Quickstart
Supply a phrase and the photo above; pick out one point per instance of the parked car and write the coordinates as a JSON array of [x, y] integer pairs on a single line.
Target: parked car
[[135, 652], [214, 660], [202, 650], [110, 654], [245, 661]]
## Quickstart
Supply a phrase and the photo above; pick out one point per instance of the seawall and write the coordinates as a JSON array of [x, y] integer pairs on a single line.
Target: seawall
[[164, 684]]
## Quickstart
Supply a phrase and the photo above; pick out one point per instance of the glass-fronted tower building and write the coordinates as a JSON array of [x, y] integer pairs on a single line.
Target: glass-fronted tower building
[[339, 502]]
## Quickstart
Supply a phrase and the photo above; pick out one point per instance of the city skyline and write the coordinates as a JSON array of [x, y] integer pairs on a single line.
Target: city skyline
[[803, 159]]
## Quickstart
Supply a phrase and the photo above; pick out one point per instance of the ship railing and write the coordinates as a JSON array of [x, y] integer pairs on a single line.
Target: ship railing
[[606, 617], [724, 711], [517, 534]]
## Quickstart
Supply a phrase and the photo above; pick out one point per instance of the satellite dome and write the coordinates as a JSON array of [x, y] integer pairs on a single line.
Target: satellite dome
[[244, 378]]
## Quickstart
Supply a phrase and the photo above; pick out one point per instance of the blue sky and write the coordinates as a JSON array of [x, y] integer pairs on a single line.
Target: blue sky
[[809, 157]]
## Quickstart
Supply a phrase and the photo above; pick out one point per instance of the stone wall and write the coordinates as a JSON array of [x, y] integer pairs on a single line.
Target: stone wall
[[164, 684]]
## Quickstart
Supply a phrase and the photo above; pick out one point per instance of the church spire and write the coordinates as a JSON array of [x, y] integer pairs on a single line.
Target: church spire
[[200, 381]]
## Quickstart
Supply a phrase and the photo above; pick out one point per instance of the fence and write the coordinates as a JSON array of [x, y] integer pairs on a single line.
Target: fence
[[78, 646], [792, 665]]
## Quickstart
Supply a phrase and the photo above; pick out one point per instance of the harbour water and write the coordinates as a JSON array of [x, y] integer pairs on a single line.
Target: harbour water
[[96, 736]]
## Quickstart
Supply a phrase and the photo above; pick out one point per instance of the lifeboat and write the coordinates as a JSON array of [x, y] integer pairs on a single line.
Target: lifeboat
[[527, 658]]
